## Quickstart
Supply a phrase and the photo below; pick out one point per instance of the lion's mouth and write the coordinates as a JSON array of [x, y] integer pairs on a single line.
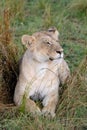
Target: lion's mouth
[[51, 58]]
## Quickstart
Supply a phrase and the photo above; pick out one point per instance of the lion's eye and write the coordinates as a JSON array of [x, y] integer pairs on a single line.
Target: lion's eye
[[48, 43]]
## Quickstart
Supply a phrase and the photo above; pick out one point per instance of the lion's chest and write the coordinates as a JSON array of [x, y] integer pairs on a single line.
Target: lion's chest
[[43, 80]]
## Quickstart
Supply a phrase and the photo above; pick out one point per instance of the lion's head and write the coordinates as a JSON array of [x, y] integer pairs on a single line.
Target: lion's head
[[44, 45]]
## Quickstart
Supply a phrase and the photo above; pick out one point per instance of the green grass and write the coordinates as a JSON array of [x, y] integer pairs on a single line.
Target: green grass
[[27, 17]]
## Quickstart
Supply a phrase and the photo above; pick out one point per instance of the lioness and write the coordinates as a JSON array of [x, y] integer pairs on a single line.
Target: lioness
[[41, 71]]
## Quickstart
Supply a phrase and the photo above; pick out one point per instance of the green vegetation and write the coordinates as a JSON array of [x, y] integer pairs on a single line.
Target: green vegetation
[[20, 17]]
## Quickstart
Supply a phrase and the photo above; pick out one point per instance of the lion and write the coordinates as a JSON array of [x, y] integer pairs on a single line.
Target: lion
[[42, 69]]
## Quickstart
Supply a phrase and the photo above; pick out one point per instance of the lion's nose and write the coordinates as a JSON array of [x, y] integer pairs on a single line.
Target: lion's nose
[[58, 52]]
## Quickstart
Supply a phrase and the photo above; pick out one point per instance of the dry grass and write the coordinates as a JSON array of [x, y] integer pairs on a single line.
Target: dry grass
[[8, 59], [73, 103], [5, 32], [16, 8], [8, 77], [11, 11]]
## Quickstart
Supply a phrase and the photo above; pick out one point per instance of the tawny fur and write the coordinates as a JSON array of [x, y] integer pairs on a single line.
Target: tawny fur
[[41, 71]]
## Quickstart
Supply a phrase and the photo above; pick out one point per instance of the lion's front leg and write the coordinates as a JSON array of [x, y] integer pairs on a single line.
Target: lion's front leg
[[21, 92], [50, 103]]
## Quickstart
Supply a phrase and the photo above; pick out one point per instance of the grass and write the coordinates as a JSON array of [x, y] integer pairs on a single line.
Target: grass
[[26, 17]]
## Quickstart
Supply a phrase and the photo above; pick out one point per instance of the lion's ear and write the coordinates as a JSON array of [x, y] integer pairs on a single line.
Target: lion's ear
[[52, 29], [27, 40], [54, 33]]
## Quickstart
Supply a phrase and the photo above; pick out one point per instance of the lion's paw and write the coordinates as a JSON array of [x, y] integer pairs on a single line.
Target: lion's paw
[[48, 113]]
